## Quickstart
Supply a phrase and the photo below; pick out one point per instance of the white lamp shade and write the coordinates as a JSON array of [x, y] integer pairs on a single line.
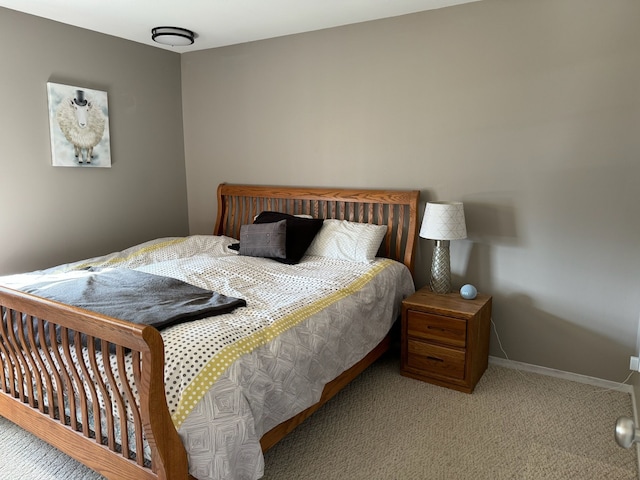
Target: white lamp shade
[[443, 221]]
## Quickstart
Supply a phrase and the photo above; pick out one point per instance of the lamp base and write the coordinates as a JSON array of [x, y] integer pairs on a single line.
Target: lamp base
[[441, 268]]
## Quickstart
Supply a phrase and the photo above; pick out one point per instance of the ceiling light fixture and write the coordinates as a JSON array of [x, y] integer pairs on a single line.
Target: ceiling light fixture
[[174, 36]]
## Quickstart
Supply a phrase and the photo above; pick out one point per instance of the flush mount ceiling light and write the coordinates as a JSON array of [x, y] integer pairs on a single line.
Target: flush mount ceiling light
[[174, 36]]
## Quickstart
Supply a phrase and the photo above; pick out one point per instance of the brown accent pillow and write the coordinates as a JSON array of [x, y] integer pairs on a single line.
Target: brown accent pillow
[[264, 240]]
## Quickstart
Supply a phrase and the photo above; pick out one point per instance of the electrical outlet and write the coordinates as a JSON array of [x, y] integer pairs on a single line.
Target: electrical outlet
[[634, 364]]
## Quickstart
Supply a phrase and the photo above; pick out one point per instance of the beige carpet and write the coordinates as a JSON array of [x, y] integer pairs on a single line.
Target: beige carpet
[[516, 426]]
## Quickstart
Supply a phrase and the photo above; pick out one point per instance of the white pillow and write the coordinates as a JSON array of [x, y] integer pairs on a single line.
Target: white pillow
[[344, 240]]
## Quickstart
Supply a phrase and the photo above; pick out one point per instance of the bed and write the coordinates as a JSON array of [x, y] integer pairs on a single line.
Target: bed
[[96, 387]]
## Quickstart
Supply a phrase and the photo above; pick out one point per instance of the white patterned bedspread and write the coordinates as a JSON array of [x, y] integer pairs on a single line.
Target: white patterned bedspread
[[233, 377]]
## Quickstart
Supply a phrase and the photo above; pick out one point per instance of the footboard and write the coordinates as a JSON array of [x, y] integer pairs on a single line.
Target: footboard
[[90, 385]]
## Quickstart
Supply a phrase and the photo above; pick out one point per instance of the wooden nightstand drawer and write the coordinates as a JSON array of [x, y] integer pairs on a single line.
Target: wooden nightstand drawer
[[436, 328], [448, 362]]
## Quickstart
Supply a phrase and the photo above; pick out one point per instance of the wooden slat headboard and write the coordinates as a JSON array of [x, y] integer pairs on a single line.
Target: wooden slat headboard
[[397, 209]]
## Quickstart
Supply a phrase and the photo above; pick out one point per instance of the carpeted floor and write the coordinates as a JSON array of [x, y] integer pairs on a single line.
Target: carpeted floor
[[516, 426]]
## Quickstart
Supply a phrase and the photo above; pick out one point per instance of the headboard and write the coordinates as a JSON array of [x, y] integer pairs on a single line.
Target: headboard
[[397, 209]]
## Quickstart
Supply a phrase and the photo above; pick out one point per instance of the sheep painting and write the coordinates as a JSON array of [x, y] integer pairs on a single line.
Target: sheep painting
[[81, 126]]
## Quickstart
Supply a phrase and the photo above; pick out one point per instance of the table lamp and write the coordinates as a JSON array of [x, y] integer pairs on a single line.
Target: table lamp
[[442, 222]]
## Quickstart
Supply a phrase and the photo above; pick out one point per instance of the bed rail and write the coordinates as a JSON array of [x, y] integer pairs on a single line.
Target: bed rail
[[238, 204], [68, 365]]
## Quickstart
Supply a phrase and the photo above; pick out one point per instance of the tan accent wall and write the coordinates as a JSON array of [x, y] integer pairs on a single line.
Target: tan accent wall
[[528, 111], [53, 215]]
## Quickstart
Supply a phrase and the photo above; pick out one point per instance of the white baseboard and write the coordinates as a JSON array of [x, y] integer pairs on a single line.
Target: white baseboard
[[576, 377]]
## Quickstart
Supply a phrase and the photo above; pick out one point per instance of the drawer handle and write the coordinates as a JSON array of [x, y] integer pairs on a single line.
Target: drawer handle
[[435, 358], [440, 329]]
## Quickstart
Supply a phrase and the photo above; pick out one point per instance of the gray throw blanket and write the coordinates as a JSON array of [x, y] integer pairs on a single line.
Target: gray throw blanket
[[137, 297]]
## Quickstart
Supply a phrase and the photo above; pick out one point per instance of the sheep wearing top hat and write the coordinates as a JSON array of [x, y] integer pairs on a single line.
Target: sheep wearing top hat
[[82, 124]]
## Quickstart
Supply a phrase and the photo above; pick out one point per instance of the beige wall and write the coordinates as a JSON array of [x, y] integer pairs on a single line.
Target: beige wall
[[53, 215], [526, 110]]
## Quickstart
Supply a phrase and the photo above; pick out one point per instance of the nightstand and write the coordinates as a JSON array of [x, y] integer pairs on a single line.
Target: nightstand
[[445, 338]]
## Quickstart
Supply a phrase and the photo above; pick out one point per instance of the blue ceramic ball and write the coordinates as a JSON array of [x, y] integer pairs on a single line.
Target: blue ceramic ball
[[468, 292]]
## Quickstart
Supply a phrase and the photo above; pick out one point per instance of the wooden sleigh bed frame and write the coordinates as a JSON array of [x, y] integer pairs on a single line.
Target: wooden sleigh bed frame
[[32, 392]]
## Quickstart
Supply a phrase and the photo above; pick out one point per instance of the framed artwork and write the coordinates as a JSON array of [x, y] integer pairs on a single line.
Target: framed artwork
[[79, 126]]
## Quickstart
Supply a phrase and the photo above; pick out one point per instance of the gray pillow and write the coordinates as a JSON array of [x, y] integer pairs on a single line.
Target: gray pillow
[[264, 239]]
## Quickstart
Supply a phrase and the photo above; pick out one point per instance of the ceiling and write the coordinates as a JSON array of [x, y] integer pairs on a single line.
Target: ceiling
[[217, 22]]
